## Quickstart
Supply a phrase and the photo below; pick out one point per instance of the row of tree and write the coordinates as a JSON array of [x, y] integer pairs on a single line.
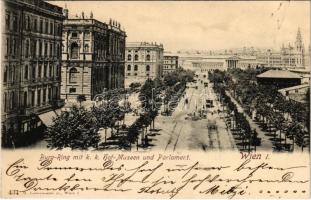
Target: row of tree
[[83, 125], [78, 127], [286, 118], [235, 120]]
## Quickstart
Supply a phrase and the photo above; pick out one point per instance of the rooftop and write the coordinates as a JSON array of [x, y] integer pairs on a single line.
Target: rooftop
[[278, 74], [143, 44], [295, 87]]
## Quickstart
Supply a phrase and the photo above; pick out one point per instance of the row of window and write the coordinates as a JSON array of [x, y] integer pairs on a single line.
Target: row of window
[[29, 99], [32, 23], [36, 47], [74, 50], [136, 58], [129, 68], [136, 51], [135, 74], [9, 73]]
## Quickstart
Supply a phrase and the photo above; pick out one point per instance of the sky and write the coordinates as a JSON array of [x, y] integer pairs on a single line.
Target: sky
[[203, 25]]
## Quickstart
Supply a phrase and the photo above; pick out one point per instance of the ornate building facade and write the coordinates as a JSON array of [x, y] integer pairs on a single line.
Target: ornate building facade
[[288, 57], [143, 60], [92, 57], [32, 35], [170, 64]]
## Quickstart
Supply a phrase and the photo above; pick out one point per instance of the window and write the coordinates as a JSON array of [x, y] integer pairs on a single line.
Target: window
[[147, 68], [12, 103], [129, 57], [50, 70], [73, 75], [35, 25], [72, 90], [33, 98], [14, 47], [136, 57], [148, 57], [5, 74], [25, 99], [40, 48], [45, 49], [5, 102], [46, 27], [27, 49], [38, 97], [34, 72], [7, 46], [39, 71], [86, 48], [74, 35], [44, 95], [51, 28], [45, 70], [34, 50], [296, 91], [51, 50], [135, 68], [13, 74], [7, 20], [41, 26], [135, 74], [49, 94], [59, 29], [129, 74], [129, 67], [74, 50], [26, 72], [28, 23], [15, 23], [58, 51]]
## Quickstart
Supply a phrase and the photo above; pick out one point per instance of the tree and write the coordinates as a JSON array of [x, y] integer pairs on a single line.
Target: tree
[[76, 129]]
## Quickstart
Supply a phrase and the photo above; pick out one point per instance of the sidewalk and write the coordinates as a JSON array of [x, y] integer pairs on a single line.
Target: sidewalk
[[266, 144]]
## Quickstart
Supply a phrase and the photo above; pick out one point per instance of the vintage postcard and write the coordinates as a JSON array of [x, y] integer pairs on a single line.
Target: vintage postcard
[[155, 99]]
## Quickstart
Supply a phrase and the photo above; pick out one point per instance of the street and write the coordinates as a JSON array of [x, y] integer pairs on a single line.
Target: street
[[178, 133]]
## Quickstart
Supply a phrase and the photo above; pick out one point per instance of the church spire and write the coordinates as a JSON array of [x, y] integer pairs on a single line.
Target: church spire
[[298, 37], [299, 43]]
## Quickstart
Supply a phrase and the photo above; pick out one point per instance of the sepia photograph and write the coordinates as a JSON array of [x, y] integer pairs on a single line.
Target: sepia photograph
[[155, 99], [141, 76]]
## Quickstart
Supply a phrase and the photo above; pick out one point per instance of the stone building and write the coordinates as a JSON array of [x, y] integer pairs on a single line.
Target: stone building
[[170, 64], [143, 60], [289, 56], [92, 57], [31, 56]]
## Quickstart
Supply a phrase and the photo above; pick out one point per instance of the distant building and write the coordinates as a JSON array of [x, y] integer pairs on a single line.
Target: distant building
[[296, 93], [288, 57], [170, 64], [143, 60], [31, 58], [92, 58], [279, 78]]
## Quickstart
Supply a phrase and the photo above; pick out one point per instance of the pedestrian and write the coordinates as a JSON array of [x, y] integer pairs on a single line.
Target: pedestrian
[[146, 140]]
